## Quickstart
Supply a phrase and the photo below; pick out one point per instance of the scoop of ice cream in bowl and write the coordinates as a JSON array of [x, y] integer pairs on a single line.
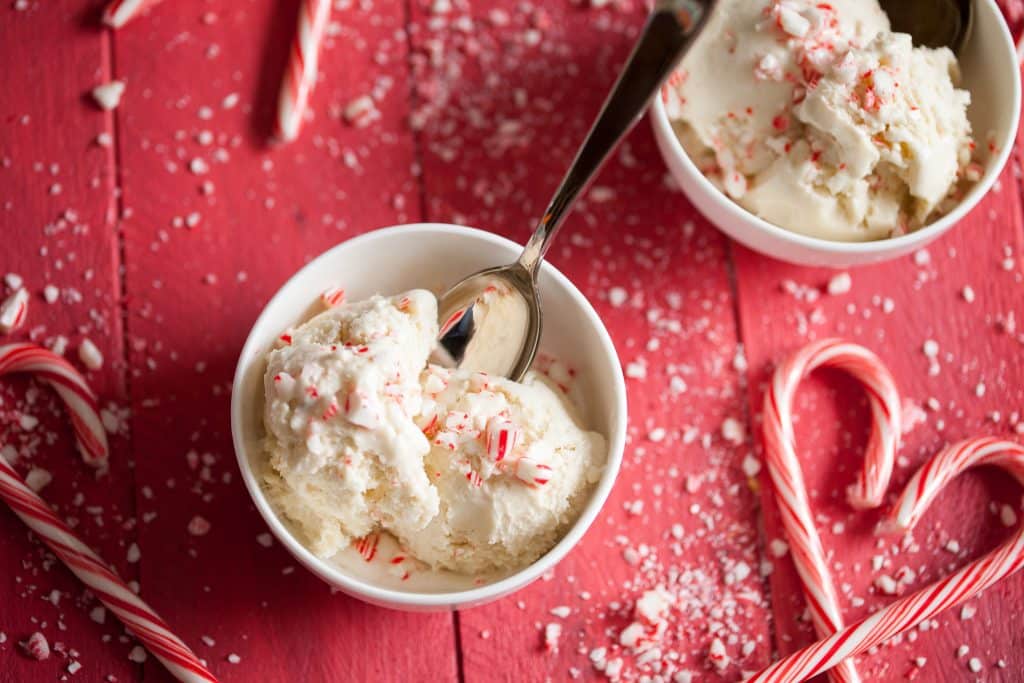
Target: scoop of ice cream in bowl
[[402, 482], [814, 133]]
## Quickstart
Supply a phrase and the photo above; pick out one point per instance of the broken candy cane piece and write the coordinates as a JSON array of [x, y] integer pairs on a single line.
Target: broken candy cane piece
[[90, 356], [367, 546], [502, 437], [428, 418], [791, 21], [14, 310], [361, 111], [300, 75], [37, 646], [330, 411], [120, 12], [552, 633], [360, 409], [334, 296], [108, 95], [532, 473], [717, 654]]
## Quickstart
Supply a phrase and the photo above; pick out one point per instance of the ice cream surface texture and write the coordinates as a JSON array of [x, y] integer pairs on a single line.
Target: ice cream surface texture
[[818, 118], [469, 472]]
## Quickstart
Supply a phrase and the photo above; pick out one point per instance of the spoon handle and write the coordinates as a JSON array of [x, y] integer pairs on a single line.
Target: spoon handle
[[666, 36]]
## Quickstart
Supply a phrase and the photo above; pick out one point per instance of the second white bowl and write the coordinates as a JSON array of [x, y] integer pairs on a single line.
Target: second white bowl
[[991, 73]]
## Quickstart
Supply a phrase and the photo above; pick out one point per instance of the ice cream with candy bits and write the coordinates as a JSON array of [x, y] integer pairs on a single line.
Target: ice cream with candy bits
[[345, 453], [468, 472], [511, 466], [819, 119]]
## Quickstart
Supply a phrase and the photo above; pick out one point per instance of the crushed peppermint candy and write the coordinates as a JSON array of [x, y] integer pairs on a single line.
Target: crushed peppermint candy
[[14, 310], [108, 95], [198, 526], [37, 646], [90, 355]]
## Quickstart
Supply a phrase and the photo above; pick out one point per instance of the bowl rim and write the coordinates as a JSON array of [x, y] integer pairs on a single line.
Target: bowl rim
[[449, 599], [881, 247]]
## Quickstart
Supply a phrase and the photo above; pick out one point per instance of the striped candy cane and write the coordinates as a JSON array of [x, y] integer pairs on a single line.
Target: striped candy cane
[[120, 12], [788, 480], [300, 74], [925, 604], [140, 619], [71, 386]]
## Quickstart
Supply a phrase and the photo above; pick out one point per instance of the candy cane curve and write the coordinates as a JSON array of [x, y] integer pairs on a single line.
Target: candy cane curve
[[70, 386], [140, 619], [787, 476], [120, 12], [300, 74], [908, 612]]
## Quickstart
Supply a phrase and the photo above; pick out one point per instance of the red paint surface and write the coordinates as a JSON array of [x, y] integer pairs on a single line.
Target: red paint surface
[[497, 115]]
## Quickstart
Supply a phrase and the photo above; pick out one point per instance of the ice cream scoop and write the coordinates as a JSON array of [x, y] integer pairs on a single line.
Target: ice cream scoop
[[932, 23], [491, 321]]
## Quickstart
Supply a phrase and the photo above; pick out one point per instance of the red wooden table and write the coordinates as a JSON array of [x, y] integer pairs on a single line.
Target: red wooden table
[[164, 263]]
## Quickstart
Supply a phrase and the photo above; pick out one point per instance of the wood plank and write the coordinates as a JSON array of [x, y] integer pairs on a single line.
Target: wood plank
[[507, 92], [56, 228], [195, 292], [893, 309]]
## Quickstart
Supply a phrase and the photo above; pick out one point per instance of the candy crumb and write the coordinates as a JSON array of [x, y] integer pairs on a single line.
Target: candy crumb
[[108, 95]]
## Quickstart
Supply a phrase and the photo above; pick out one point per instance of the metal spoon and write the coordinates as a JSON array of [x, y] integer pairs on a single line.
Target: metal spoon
[[932, 23], [491, 321]]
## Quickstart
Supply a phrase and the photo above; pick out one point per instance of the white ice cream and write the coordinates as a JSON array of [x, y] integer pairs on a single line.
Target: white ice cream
[[818, 118], [346, 455], [469, 472], [511, 467]]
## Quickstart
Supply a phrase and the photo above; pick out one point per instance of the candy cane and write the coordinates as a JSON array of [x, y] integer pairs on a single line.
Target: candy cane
[[908, 612], [120, 12], [71, 386], [787, 477], [140, 619], [300, 74]]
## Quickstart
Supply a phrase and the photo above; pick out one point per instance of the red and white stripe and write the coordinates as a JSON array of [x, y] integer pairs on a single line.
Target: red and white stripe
[[300, 74], [71, 386], [120, 12], [332, 296], [140, 619], [14, 310], [925, 604], [533, 473], [787, 476], [501, 438], [367, 546]]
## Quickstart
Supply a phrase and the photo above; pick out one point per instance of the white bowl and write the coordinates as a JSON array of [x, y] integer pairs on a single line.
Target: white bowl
[[991, 73], [431, 256]]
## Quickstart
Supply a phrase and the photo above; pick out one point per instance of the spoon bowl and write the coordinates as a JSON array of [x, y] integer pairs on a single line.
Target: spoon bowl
[[491, 322], [932, 23]]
